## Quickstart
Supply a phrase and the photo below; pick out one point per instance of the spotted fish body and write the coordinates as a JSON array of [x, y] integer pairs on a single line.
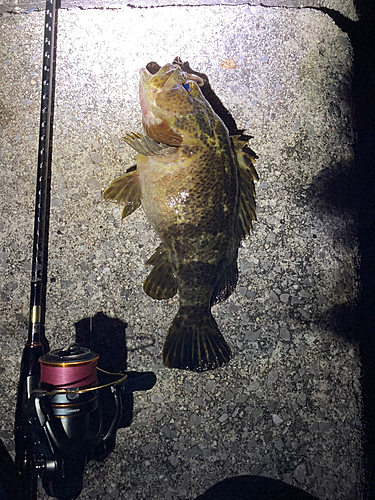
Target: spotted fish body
[[195, 184]]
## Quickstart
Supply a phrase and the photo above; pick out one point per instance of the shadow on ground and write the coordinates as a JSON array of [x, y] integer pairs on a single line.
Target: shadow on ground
[[254, 488], [362, 187], [107, 337]]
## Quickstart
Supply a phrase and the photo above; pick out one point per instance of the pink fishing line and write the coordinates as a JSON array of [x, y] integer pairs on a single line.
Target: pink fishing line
[[69, 375]]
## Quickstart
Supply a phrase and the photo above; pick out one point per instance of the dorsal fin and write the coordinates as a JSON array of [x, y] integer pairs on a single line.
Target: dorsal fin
[[247, 176]]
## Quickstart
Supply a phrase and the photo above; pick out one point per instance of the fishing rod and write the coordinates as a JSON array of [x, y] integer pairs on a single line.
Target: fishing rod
[[68, 409], [36, 343]]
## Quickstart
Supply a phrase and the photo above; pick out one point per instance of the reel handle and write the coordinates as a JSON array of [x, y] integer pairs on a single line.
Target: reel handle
[[138, 382]]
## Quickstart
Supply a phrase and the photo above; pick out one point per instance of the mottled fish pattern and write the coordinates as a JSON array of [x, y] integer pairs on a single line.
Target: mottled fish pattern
[[196, 186]]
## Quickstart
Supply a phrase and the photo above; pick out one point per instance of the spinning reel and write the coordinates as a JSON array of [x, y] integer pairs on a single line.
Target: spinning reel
[[72, 417]]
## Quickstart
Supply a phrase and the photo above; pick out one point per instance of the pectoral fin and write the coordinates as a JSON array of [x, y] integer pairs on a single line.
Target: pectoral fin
[[248, 175], [146, 146], [125, 189], [161, 283]]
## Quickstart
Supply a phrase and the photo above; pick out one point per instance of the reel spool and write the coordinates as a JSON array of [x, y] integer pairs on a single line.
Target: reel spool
[[68, 368]]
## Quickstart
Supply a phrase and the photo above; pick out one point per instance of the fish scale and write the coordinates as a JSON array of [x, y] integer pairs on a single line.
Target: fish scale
[[196, 186]]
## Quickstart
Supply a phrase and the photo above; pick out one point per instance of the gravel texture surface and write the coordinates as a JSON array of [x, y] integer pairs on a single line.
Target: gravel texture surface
[[288, 405]]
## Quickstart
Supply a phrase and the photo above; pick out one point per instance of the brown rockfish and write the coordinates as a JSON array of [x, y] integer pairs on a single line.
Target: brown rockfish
[[195, 184]]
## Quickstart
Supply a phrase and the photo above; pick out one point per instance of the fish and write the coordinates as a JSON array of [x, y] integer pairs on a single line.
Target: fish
[[195, 184]]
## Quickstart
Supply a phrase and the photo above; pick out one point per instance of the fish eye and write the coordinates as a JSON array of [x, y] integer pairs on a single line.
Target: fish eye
[[187, 86]]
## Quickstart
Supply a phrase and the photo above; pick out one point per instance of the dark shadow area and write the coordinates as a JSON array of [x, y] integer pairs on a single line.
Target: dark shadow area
[[362, 36], [331, 193], [213, 99], [332, 189], [254, 488], [10, 479], [341, 319], [107, 338]]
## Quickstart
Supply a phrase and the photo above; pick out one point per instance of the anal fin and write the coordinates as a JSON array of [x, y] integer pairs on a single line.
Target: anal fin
[[161, 283], [227, 283]]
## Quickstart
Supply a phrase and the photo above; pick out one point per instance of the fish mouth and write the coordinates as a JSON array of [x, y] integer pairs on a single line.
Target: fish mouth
[[154, 121], [157, 81]]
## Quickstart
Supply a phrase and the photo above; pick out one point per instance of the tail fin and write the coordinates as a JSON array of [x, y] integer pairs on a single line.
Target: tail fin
[[194, 342]]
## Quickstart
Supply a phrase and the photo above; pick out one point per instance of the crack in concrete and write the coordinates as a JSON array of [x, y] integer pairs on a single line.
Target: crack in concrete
[[38, 5]]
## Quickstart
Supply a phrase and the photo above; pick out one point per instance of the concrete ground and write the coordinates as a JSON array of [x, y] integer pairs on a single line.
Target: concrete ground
[[288, 406]]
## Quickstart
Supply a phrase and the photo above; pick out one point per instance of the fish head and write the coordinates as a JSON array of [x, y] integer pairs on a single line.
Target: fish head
[[174, 110]]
